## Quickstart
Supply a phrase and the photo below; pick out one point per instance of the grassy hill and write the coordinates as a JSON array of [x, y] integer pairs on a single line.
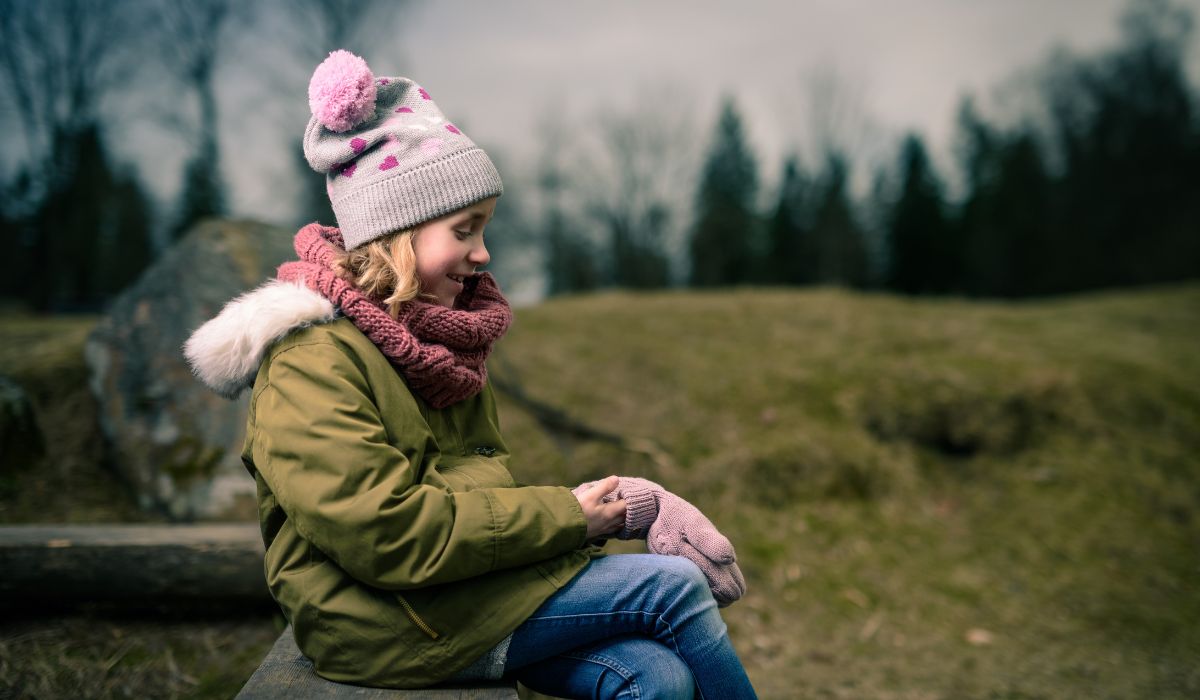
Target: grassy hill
[[930, 498]]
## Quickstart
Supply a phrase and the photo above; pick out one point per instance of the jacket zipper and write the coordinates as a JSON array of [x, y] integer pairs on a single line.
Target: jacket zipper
[[412, 615]]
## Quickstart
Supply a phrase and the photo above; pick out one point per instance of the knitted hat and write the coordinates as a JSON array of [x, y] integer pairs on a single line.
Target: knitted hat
[[390, 158]]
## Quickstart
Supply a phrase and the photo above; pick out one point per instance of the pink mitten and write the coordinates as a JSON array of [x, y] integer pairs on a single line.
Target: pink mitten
[[681, 529], [673, 526]]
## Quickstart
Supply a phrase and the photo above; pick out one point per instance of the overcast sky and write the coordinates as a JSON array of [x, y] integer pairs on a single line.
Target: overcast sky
[[497, 67]]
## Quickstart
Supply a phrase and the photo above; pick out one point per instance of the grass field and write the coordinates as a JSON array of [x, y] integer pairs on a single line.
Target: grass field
[[930, 498]]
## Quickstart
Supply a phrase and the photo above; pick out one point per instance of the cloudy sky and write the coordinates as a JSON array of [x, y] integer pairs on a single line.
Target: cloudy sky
[[909, 60], [499, 68]]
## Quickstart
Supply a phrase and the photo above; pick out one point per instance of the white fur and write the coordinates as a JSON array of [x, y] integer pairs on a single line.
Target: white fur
[[225, 352]]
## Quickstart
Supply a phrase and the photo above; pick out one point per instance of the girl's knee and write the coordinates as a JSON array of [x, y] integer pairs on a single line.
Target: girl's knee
[[657, 580], [661, 676], [686, 571], [674, 680]]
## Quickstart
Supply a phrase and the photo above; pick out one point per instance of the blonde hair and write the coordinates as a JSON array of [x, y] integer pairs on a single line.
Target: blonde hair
[[385, 269]]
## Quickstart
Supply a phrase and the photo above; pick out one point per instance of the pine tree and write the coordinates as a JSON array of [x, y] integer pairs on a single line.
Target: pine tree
[[128, 251], [92, 229], [570, 261], [1127, 134], [925, 255], [839, 252], [789, 233], [1011, 246], [723, 243]]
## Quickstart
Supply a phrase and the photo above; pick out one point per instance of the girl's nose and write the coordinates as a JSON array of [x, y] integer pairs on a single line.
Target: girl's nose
[[479, 255]]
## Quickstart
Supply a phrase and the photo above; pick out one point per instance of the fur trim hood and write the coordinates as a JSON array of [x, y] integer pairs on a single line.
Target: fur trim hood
[[226, 351]]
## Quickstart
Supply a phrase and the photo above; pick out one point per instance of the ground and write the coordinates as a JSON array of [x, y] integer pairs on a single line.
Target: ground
[[929, 498]]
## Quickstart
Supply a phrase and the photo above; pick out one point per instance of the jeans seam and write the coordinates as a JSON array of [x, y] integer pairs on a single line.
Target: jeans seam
[[657, 617], [626, 674]]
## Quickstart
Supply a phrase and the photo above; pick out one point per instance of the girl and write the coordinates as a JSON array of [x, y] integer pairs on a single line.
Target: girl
[[398, 545]]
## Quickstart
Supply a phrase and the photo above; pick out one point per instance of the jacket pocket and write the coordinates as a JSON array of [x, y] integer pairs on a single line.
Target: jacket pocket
[[416, 619], [477, 473]]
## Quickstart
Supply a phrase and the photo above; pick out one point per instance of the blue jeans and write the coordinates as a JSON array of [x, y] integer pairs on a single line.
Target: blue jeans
[[630, 626]]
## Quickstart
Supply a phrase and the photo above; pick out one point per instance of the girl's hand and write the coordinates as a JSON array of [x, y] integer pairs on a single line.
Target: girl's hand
[[602, 518], [673, 526]]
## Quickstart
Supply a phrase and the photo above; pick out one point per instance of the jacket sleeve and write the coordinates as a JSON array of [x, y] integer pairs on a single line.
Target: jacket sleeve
[[322, 447]]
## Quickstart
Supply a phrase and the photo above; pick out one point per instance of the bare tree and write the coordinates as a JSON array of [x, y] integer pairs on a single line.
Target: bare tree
[[299, 34], [640, 171], [326, 25], [307, 30], [190, 36], [57, 63], [839, 121], [568, 251], [68, 205], [842, 135]]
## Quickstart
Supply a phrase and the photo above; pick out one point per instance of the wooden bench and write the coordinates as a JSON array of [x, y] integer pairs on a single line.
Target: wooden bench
[[287, 675]]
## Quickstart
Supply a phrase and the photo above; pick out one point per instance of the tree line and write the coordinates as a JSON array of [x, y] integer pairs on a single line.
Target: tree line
[[79, 223], [1090, 183], [1095, 185]]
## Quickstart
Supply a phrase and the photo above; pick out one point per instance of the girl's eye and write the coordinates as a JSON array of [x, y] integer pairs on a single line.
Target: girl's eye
[[463, 235]]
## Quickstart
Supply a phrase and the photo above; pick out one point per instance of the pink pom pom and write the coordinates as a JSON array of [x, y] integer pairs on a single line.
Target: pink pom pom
[[342, 92]]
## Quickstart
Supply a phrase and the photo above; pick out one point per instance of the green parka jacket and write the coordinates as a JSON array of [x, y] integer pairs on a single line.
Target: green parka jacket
[[397, 543]]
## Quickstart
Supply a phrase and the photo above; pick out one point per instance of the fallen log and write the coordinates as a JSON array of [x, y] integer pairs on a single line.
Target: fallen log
[[218, 562]]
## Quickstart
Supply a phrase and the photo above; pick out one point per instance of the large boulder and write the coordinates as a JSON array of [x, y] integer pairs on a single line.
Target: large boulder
[[176, 442]]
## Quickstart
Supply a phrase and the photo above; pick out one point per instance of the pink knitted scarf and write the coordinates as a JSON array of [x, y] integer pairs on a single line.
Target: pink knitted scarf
[[440, 352]]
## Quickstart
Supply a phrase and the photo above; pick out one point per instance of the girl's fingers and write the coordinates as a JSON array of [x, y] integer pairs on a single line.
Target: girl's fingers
[[602, 488]]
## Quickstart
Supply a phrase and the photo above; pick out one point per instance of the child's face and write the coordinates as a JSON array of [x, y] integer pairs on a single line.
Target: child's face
[[451, 247]]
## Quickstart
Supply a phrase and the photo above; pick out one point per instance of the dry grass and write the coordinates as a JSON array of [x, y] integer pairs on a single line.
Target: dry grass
[[931, 498], [88, 656]]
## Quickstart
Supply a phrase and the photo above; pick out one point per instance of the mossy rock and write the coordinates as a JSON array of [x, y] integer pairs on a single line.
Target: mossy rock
[[173, 440]]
